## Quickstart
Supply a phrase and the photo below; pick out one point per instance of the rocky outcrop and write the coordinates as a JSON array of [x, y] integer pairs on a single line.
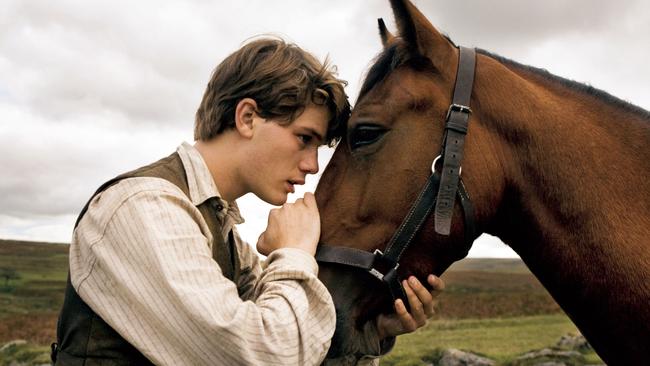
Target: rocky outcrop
[[549, 357], [567, 351], [13, 344], [455, 357], [573, 342], [21, 353]]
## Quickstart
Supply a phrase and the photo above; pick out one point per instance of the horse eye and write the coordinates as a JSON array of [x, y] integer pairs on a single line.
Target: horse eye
[[365, 134]]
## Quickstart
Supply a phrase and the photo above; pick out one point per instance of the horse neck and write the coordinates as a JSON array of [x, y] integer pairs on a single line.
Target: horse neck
[[576, 199], [577, 162]]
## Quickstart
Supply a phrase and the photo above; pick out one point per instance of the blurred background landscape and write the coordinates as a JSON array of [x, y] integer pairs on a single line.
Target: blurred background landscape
[[494, 308]]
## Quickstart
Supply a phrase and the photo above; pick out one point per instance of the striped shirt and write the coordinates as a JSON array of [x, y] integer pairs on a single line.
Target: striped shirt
[[141, 258]]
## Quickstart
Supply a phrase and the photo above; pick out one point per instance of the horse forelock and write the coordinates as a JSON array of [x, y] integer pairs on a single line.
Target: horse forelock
[[383, 64], [392, 57]]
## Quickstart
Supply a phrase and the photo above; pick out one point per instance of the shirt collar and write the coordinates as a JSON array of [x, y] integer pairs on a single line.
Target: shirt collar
[[200, 182]]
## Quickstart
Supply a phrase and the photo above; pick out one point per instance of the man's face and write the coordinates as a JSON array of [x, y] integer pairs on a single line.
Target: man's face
[[284, 155]]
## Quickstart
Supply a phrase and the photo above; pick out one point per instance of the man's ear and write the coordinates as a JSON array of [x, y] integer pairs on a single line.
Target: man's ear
[[245, 114]]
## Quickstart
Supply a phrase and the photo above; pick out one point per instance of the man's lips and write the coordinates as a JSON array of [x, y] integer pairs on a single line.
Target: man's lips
[[291, 183]]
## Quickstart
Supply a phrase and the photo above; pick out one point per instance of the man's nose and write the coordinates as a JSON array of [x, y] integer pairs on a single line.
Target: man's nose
[[309, 162]]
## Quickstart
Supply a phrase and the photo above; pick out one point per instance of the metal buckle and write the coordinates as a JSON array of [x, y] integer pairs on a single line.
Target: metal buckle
[[375, 272], [459, 108], [433, 166]]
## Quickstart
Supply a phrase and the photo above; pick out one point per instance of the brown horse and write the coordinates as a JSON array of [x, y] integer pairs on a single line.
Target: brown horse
[[558, 170]]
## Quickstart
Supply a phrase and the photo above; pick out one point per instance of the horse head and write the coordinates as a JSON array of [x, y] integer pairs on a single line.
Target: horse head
[[393, 136]]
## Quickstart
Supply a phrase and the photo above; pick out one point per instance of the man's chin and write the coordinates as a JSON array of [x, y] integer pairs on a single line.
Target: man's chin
[[277, 199]]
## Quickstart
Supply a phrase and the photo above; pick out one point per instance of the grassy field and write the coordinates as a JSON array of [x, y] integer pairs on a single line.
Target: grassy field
[[500, 339], [494, 307]]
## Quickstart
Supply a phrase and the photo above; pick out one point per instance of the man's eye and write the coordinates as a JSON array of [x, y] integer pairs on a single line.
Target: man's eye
[[305, 139], [365, 134]]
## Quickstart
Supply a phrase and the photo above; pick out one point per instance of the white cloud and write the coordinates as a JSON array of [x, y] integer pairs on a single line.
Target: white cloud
[[53, 229], [53, 167], [488, 246]]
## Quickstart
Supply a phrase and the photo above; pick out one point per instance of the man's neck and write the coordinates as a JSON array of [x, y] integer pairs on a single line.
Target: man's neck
[[219, 155]]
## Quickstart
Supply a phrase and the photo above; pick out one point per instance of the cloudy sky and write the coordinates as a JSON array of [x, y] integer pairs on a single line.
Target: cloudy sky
[[90, 89]]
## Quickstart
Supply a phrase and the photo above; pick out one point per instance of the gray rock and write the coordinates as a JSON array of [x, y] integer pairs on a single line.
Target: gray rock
[[14, 343], [549, 353], [577, 342], [454, 357]]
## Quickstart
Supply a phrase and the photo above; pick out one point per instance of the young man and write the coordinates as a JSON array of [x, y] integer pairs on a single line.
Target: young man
[[158, 273]]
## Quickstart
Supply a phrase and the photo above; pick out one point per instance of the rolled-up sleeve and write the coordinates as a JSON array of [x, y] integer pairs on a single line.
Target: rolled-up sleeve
[[141, 259]]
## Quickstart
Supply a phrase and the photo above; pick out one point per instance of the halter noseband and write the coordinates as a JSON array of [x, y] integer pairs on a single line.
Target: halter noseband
[[440, 192]]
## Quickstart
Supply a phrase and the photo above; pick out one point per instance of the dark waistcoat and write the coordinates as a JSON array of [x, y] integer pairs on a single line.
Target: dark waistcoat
[[83, 338]]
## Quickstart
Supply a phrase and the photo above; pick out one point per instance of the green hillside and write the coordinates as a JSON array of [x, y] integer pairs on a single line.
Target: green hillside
[[30, 302], [501, 265]]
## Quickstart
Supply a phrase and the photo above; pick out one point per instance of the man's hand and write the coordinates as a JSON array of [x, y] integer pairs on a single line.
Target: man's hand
[[294, 225], [421, 302]]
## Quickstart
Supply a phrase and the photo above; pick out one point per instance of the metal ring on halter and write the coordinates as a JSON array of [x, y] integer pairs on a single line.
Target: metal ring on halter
[[376, 273], [433, 166]]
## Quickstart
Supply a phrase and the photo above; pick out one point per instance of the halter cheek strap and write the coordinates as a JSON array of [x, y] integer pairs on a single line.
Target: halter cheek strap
[[440, 192], [454, 141]]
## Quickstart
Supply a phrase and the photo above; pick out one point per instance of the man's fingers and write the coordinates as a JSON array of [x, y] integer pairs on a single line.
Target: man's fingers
[[437, 285], [406, 320], [400, 309], [425, 297], [417, 309], [310, 200], [421, 301], [273, 213], [261, 244], [436, 282]]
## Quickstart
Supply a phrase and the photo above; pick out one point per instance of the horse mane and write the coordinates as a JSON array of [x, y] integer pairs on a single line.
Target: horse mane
[[571, 84], [394, 55]]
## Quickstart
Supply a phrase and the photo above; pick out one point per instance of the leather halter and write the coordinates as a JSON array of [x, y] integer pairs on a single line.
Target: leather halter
[[440, 192]]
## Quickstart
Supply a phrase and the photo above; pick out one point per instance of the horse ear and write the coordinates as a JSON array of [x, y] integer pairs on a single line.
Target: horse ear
[[416, 30], [384, 33]]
